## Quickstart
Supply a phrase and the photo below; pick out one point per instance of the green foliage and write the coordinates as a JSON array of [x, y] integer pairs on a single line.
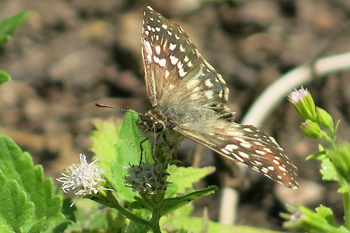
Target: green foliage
[[33, 204], [335, 166], [171, 204], [306, 220], [9, 24], [327, 170], [103, 141], [15, 209], [128, 152], [180, 219], [183, 177], [7, 27], [4, 77]]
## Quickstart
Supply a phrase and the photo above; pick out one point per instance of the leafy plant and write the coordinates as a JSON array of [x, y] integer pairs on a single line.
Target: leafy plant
[[335, 166], [7, 27]]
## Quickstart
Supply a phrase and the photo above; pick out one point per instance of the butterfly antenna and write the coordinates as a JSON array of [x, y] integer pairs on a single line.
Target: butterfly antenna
[[122, 109]]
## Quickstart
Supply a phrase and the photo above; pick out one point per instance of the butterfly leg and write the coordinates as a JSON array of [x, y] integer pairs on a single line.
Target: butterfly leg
[[144, 140]]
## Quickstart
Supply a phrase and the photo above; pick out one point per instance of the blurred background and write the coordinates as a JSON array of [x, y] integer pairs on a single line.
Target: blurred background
[[70, 54]]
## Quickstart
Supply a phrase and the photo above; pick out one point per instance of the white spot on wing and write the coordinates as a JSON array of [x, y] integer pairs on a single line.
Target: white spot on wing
[[244, 155], [209, 94], [237, 157], [173, 59], [182, 49], [167, 73], [172, 46], [231, 147], [282, 168], [162, 62], [264, 170], [182, 73], [276, 161], [208, 83], [157, 48], [156, 59], [260, 152], [246, 145]]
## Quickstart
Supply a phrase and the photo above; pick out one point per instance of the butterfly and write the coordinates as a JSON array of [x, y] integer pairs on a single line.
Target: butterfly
[[189, 99]]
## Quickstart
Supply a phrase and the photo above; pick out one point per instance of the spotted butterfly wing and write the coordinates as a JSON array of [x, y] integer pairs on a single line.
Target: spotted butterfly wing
[[245, 144], [173, 66], [189, 97]]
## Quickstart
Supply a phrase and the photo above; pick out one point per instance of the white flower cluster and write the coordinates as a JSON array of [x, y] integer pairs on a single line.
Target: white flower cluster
[[83, 180]]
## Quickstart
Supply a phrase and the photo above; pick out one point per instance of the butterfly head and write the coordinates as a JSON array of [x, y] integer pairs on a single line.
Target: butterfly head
[[151, 122]]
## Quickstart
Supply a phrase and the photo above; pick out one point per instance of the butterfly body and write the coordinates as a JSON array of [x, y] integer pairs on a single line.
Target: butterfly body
[[189, 99]]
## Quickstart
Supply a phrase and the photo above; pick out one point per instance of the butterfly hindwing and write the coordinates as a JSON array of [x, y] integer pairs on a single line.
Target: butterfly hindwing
[[245, 144]]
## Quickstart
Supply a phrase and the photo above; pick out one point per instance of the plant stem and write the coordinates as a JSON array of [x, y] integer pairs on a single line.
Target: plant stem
[[155, 219], [109, 200], [346, 202]]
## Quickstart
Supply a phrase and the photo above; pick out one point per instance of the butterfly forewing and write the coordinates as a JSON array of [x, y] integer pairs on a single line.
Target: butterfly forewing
[[174, 70], [189, 97]]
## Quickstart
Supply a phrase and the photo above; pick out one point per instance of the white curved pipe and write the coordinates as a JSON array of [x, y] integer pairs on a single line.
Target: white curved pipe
[[266, 103]]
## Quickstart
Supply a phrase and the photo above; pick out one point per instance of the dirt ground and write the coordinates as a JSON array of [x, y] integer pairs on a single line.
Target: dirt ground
[[70, 54]]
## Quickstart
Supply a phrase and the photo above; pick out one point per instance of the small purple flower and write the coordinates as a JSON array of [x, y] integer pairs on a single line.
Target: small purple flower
[[304, 104], [298, 95]]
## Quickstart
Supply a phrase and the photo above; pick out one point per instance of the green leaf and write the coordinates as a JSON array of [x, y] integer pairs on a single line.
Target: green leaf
[[134, 227], [38, 226], [115, 222], [183, 178], [318, 155], [103, 143], [19, 166], [4, 77], [336, 126], [9, 24], [345, 188], [119, 144], [140, 204], [61, 227], [89, 215], [128, 152], [327, 170], [171, 204], [326, 213], [303, 219], [180, 220], [15, 209], [340, 157]]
